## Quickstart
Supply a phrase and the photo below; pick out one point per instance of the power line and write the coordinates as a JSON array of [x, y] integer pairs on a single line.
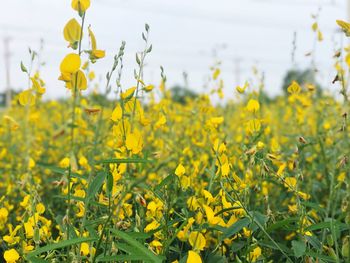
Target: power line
[[302, 2], [223, 20]]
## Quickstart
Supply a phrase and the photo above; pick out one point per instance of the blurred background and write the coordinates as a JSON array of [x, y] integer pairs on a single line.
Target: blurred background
[[187, 36]]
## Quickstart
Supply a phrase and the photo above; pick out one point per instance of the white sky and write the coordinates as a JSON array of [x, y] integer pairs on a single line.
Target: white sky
[[183, 33]]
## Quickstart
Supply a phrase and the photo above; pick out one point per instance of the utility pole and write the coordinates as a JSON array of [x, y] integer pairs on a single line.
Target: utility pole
[[237, 71], [7, 55]]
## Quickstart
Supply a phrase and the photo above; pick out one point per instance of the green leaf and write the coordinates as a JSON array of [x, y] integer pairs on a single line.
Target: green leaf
[[23, 68], [121, 258], [328, 224], [138, 59], [61, 244], [318, 226], [96, 222], [139, 235], [227, 210], [137, 247], [237, 245], [38, 260], [258, 218], [272, 245], [235, 228], [109, 183], [299, 248], [126, 160], [320, 256], [166, 181], [60, 170], [128, 249], [95, 185], [80, 199], [345, 248], [215, 258], [314, 242], [285, 223], [317, 207]]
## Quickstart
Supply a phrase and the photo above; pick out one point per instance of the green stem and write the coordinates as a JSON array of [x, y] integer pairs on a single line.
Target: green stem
[[72, 141], [253, 220]]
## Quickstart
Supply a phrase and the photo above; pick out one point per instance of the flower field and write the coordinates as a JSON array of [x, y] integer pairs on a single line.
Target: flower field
[[140, 177]]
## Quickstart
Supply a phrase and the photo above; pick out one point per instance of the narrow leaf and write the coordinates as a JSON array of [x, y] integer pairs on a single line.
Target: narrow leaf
[[235, 228], [61, 244], [138, 248]]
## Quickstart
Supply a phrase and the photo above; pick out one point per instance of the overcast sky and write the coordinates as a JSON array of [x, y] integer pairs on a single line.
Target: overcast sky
[[184, 34]]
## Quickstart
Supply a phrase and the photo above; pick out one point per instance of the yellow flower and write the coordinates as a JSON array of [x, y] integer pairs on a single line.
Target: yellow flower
[[242, 89], [27, 247], [161, 121], [185, 182], [11, 256], [216, 73], [36, 87], [91, 75], [197, 240], [70, 63], [72, 32], [294, 88], [341, 177], [253, 125], [128, 93], [31, 163], [208, 196], [345, 26], [134, 142], [180, 170], [29, 229], [255, 254], [25, 201], [290, 183], [183, 234], [40, 208], [225, 169], [12, 239], [156, 245], [212, 219], [95, 53], [281, 169], [193, 257], [215, 121], [84, 249], [151, 226], [80, 5], [78, 80], [148, 88], [246, 232], [293, 208], [79, 193], [64, 163], [83, 161], [253, 106], [26, 98], [303, 195], [117, 113], [81, 211]]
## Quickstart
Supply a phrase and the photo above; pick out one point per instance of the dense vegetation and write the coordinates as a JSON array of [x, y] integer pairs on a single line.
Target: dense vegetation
[[172, 178]]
